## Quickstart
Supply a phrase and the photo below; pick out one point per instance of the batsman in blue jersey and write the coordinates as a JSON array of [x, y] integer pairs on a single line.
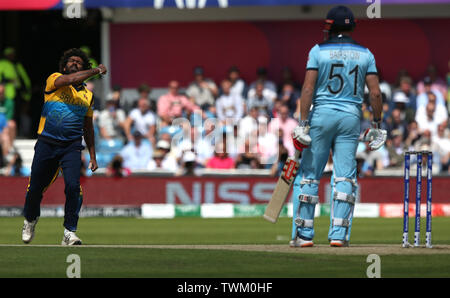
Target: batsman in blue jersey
[[336, 73]]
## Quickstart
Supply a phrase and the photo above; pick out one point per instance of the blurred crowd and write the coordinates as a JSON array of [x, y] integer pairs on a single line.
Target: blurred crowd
[[232, 123], [415, 115]]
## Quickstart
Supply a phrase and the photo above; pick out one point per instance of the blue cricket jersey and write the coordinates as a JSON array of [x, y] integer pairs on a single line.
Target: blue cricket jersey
[[342, 66]]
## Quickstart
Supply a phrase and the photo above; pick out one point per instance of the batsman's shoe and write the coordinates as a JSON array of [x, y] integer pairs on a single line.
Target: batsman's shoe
[[28, 230], [338, 243], [70, 238], [298, 242]]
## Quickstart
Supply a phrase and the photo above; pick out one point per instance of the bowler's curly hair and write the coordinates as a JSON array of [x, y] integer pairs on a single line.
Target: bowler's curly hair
[[74, 52]]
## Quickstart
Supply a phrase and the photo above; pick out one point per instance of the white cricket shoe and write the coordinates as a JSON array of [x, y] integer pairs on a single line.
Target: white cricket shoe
[[298, 242], [28, 230], [70, 238], [338, 243]]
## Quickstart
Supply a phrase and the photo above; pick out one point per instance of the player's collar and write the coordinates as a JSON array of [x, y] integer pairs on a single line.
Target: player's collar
[[340, 39]]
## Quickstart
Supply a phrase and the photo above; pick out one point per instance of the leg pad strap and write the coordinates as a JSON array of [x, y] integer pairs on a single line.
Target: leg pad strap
[[309, 181], [340, 196], [309, 199], [304, 223], [342, 222], [343, 179]]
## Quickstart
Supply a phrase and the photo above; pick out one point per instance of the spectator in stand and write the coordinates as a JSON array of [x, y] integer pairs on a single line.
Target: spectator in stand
[[111, 122], [441, 146], [238, 85], [406, 86], [172, 105], [116, 95], [267, 144], [202, 91], [15, 167], [188, 165], [431, 116], [163, 158], [422, 98], [424, 143], [157, 161], [186, 142], [401, 102], [261, 98], [18, 88], [287, 125], [229, 107], [437, 83], [401, 73], [194, 141], [373, 160], [6, 104], [261, 74], [136, 154], [288, 96], [161, 161], [143, 91], [248, 158], [171, 147], [203, 145], [395, 148], [249, 123], [235, 144], [287, 77], [395, 122], [220, 160], [8, 127], [413, 135], [141, 119], [115, 168]]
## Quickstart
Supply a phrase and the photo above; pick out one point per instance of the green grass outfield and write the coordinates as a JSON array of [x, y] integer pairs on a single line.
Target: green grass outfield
[[242, 248]]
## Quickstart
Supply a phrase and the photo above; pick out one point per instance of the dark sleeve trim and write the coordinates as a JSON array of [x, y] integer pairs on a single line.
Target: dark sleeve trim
[[49, 92], [371, 73], [312, 68]]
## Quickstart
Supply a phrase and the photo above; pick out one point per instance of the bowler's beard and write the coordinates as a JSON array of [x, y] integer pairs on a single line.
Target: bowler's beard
[[70, 70]]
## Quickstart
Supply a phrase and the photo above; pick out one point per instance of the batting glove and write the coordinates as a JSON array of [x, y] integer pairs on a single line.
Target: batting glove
[[300, 136], [375, 135]]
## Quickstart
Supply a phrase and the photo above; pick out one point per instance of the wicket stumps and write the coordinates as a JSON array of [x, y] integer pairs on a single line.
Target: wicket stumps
[[406, 183]]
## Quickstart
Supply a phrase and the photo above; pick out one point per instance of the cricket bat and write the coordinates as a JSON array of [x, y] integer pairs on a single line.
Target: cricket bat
[[282, 188]]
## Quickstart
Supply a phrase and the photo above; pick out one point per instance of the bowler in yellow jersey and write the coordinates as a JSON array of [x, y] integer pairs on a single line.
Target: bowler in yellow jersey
[[65, 119]]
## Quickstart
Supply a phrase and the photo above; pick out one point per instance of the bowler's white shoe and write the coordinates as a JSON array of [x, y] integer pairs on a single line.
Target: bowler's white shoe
[[28, 230], [298, 242], [70, 238], [338, 243]]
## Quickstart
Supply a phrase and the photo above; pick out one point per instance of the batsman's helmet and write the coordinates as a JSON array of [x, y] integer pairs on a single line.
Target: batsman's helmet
[[339, 18]]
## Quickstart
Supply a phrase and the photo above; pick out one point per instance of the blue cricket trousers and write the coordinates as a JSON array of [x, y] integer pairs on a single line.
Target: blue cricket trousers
[[48, 160], [338, 131]]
